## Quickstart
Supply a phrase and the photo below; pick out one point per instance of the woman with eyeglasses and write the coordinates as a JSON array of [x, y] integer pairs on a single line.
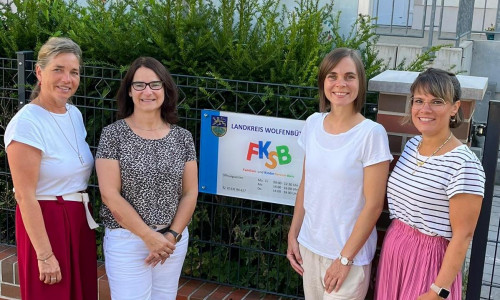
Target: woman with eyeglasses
[[147, 171], [434, 193]]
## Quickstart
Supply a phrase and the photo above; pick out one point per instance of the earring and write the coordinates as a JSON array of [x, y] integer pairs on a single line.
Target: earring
[[453, 118]]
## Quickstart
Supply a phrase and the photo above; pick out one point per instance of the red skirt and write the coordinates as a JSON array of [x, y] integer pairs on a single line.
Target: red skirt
[[409, 263], [74, 246]]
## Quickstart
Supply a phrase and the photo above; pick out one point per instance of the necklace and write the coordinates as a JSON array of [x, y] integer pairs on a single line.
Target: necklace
[[77, 149], [421, 163]]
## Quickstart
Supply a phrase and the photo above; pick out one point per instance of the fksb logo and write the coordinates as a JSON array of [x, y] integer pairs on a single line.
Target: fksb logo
[[282, 153]]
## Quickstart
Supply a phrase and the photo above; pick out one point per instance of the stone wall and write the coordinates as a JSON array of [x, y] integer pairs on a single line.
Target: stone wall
[[456, 60]]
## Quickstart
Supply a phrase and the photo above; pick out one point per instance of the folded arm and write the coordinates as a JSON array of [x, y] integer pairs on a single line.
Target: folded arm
[[108, 173]]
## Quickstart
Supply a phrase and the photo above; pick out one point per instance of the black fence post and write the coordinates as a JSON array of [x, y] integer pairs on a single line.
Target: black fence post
[[479, 243], [22, 74]]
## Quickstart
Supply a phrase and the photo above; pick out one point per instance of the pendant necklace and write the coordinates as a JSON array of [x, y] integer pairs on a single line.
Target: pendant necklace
[[421, 163], [77, 149]]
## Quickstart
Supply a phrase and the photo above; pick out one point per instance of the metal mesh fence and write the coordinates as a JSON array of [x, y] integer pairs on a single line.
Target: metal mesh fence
[[237, 242]]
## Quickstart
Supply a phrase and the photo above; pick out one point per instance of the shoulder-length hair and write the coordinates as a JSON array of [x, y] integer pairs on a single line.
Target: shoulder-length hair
[[328, 63], [168, 108]]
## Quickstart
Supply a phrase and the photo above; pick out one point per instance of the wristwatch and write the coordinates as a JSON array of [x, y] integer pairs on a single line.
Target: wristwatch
[[345, 261], [176, 235], [442, 292]]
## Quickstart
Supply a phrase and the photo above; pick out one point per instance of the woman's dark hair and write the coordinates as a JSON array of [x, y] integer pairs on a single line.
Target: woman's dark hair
[[328, 63], [169, 106], [442, 84]]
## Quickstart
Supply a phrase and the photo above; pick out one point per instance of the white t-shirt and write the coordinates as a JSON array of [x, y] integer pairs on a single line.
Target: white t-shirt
[[61, 171], [420, 197], [333, 184]]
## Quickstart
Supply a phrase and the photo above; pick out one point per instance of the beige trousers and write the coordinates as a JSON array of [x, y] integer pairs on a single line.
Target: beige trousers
[[355, 285]]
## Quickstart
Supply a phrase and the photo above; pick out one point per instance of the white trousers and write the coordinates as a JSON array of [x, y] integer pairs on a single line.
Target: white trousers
[[130, 278]]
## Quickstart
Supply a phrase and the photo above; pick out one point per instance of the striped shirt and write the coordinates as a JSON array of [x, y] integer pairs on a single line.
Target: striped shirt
[[421, 200]]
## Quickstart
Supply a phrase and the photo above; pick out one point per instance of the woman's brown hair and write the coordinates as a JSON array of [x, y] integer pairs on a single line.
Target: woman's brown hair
[[328, 63], [441, 84]]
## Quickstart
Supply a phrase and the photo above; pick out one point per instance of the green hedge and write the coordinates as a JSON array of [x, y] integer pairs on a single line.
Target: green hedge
[[238, 39]]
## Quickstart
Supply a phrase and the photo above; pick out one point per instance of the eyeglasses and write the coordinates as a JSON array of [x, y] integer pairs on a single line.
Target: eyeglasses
[[141, 86], [437, 103]]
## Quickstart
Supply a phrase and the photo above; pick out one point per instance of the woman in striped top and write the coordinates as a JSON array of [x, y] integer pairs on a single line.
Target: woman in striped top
[[434, 194]]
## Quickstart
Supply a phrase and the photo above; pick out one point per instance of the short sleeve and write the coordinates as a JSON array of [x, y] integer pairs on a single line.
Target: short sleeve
[[376, 148], [24, 131], [304, 133], [108, 144], [190, 148], [302, 137], [469, 179]]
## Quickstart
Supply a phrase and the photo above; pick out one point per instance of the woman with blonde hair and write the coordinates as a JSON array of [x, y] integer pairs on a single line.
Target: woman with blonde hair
[[50, 163]]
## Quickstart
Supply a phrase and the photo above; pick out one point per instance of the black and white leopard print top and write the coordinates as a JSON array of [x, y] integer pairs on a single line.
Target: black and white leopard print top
[[151, 170]]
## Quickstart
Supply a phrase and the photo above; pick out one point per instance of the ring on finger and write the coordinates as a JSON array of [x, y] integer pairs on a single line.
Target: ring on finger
[[53, 279]]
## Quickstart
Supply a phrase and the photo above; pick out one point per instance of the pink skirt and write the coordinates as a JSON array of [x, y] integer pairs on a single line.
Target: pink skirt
[[74, 246], [409, 263]]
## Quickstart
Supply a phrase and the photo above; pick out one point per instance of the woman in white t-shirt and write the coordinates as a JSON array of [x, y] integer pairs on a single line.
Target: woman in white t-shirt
[[51, 162], [332, 238], [434, 194]]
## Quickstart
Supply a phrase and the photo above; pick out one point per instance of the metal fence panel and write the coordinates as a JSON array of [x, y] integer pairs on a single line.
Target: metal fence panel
[[8, 104], [245, 240], [465, 15], [479, 244]]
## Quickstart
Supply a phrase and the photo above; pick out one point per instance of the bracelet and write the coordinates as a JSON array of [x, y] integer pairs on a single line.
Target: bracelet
[[45, 259]]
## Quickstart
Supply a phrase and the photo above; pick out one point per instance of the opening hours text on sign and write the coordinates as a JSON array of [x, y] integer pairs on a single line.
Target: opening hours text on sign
[[249, 156]]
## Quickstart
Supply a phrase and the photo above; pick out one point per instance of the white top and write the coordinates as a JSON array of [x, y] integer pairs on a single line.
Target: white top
[[61, 171], [333, 190], [422, 199]]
